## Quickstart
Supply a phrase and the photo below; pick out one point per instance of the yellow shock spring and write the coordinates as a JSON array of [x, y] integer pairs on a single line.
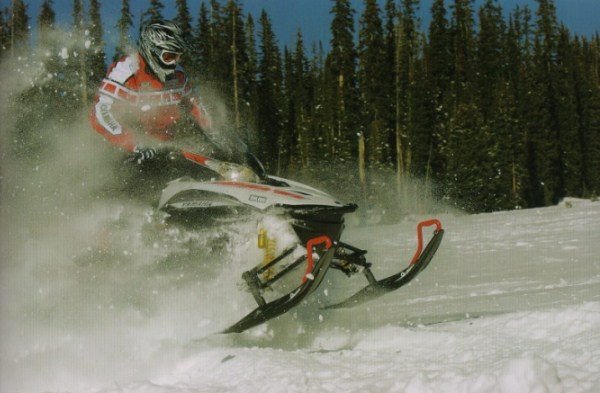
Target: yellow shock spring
[[268, 245]]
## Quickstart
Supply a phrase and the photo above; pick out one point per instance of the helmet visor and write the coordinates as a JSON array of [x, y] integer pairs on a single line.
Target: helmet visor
[[169, 57]]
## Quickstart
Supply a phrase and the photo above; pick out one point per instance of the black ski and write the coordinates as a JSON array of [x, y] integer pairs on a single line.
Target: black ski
[[378, 288], [285, 303]]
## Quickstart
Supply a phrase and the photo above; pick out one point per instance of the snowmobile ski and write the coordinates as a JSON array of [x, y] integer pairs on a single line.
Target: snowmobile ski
[[377, 288], [312, 279]]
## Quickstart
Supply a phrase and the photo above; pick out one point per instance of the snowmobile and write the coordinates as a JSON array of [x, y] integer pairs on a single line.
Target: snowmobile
[[317, 219]]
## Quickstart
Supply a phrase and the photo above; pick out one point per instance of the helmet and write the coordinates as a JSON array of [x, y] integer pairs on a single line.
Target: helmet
[[161, 44]]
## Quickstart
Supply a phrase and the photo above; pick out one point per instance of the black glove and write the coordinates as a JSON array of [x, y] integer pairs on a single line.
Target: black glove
[[141, 154]]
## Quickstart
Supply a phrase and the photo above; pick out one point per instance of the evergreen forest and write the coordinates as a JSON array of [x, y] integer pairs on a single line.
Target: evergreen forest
[[488, 109]]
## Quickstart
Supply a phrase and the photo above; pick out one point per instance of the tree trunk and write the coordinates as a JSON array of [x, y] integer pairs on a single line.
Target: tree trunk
[[362, 171], [399, 147]]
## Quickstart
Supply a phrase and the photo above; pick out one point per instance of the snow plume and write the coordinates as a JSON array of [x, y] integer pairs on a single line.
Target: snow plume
[[51, 163], [383, 197], [49, 170], [389, 198], [89, 285]]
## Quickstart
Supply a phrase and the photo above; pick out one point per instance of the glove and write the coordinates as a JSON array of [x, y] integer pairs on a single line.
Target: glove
[[141, 154]]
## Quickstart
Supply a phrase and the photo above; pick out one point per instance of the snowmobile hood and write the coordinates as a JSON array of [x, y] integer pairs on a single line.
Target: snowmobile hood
[[256, 195]]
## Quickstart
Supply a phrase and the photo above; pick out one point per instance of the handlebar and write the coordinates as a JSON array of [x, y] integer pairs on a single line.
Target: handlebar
[[222, 153], [251, 170], [230, 170]]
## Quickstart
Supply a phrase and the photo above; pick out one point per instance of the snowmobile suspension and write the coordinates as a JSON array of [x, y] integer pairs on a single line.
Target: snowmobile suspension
[[256, 285]]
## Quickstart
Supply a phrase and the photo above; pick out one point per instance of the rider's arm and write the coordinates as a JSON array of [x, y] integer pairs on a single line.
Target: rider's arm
[[112, 94], [193, 101], [200, 113], [105, 123]]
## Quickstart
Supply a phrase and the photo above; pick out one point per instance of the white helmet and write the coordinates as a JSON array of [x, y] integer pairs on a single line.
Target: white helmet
[[161, 44]]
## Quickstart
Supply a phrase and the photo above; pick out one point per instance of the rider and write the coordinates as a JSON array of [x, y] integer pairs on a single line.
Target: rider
[[146, 91], [146, 94]]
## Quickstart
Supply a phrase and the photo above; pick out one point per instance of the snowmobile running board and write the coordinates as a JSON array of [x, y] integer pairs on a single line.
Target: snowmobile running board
[[338, 256]]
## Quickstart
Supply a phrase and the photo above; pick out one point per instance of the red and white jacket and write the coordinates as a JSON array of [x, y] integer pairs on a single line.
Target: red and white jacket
[[132, 97]]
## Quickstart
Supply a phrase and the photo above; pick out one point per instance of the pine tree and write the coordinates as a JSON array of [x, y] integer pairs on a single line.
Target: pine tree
[[78, 17], [300, 94], [45, 22], [319, 122], [422, 115], [388, 75], [77, 64], [439, 51], [220, 42], [512, 105], [593, 64], [184, 20], [289, 135], [219, 62], [470, 172], [37, 109], [371, 66], [406, 59], [202, 46], [341, 98], [440, 73], [154, 12], [237, 45], [250, 94], [123, 26], [490, 56], [467, 133], [50, 47], [546, 185], [568, 117], [18, 28], [587, 56], [519, 79], [307, 103], [96, 58], [463, 50], [508, 152], [270, 81], [496, 99], [227, 64], [518, 55], [4, 33]]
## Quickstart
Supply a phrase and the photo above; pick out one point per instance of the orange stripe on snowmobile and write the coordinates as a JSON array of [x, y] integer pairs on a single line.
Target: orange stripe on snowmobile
[[260, 187]]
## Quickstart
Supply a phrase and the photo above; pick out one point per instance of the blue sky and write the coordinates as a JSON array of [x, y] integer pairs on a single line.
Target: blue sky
[[312, 16]]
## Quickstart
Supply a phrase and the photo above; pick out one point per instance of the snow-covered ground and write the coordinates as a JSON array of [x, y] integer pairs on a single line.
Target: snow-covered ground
[[102, 300]]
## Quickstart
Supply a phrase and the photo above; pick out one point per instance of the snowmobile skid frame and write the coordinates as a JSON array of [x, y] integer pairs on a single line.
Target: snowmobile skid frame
[[331, 255]]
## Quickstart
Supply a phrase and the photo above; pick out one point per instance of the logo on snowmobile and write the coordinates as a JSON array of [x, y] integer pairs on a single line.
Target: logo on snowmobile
[[257, 199], [187, 204]]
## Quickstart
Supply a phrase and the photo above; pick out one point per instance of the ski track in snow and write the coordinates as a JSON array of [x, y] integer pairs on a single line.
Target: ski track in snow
[[108, 301]]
